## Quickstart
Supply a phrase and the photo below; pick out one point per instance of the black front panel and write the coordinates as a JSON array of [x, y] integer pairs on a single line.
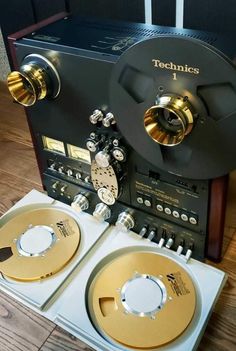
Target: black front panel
[[163, 205]]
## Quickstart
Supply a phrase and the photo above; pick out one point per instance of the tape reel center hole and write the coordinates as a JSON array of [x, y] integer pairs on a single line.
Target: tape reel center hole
[[143, 295], [36, 240]]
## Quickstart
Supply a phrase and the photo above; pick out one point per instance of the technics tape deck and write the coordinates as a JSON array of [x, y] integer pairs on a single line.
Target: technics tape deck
[[131, 122]]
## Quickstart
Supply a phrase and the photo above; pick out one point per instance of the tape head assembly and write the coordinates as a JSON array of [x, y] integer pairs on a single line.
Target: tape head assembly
[[179, 95]]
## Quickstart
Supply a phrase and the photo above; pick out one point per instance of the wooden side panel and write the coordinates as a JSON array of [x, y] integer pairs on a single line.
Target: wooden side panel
[[217, 208], [132, 10], [163, 12]]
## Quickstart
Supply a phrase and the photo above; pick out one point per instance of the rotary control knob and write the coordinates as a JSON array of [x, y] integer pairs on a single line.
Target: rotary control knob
[[80, 203], [125, 222], [108, 120], [96, 116], [119, 154], [92, 145], [102, 212], [103, 159]]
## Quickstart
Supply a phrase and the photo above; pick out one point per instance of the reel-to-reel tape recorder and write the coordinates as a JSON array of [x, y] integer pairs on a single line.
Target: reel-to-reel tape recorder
[[133, 124]]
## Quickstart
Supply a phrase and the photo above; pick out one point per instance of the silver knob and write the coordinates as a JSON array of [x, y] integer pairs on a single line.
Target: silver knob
[[87, 179], [61, 169], [108, 120], [78, 175], [69, 172], [125, 222], [53, 166], [96, 116], [102, 212], [102, 159], [119, 154], [92, 145], [80, 203]]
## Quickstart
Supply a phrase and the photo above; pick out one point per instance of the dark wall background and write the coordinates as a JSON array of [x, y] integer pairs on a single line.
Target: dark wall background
[[211, 15]]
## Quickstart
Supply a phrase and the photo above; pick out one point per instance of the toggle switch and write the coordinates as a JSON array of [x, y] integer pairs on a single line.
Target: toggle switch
[[189, 252], [170, 241], [180, 247], [163, 238], [143, 231], [152, 234]]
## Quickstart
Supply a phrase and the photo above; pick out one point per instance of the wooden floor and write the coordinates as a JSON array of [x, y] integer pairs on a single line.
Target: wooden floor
[[24, 330]]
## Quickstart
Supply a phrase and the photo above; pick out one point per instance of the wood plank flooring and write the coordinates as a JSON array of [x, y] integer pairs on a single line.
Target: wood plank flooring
[[24, 330]]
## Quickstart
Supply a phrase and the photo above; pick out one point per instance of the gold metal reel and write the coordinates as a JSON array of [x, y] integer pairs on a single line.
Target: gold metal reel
[[36, 79], [142, 300], [170, 120], [42, 241]]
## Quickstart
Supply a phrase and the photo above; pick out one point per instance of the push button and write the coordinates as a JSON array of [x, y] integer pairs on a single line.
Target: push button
[[167, 210], [159, 208], [147, 203], [184, 217], [176, 214], [139, 198], [193, 220]]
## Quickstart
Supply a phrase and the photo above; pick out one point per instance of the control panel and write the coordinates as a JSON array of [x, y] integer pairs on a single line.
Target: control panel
[[149, 227]]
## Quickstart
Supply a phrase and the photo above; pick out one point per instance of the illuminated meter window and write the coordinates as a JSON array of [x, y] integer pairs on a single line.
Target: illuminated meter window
[[53, 145], [78, 153]]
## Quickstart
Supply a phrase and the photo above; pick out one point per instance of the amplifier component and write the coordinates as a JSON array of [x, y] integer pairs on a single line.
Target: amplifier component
[[36, 80]]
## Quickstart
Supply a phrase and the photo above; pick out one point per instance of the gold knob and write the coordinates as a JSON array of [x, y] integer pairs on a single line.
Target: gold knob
[[170, 120], [36, 79]]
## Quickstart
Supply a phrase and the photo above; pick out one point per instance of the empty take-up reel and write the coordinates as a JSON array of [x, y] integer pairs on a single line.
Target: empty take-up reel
[[42, 241], [133, 295]]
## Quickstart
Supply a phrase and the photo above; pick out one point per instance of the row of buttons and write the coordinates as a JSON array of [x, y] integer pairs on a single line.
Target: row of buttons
[[146, 202], [178, 214], [185, 217], [69, 172]]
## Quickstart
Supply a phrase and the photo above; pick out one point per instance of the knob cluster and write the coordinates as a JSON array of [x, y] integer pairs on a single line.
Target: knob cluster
[[107, 150], [102, 212], [107, 119]]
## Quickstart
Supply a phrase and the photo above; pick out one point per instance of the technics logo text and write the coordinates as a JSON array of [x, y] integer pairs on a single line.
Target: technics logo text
[[174, 67]]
